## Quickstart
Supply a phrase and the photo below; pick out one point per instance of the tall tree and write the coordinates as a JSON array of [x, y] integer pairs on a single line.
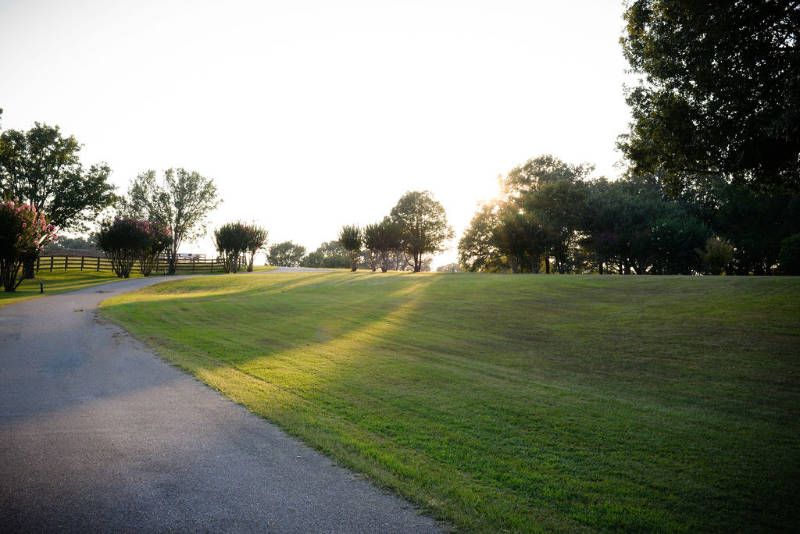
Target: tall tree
[[423, 224], [42, 168], [351, 239], [181, 201], [720, 91]]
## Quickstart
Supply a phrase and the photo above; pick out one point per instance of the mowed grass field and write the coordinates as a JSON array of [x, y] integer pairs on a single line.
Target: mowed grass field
[[56, 282], [516, 403]]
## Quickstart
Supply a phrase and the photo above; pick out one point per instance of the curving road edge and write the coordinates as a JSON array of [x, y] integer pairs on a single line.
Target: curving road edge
[[99, 434]]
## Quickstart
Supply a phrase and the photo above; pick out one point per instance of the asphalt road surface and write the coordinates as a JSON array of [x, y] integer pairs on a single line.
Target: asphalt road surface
[[98, 434]]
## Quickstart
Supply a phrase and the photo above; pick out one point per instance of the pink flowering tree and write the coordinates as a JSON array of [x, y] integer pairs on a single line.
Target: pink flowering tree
[[24, 230]]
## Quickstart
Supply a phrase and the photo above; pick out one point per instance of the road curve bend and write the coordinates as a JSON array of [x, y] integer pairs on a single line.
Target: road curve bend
[[99, 434]]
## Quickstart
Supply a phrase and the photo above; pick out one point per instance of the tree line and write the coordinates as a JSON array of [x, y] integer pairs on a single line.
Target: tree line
[[552, 218]]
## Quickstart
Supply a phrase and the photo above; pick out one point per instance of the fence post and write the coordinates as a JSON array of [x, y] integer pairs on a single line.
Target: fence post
[[98, 264], [66, 260], [82, 258], [52, 259]]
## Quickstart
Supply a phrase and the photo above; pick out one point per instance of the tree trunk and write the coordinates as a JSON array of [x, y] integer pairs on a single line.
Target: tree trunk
[[29, 265], [547, 264]]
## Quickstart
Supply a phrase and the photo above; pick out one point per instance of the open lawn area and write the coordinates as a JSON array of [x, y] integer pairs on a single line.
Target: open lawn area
[[56, 282], [518, 403]]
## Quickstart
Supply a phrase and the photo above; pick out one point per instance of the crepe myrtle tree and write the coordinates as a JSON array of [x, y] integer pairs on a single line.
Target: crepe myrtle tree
[[24, 230], [238, 243], [351, 238], [159, 238], [423, 225], [256, 241], [123, 240]]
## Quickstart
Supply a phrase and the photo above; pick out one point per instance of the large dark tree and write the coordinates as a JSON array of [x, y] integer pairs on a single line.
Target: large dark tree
[[42, 168], [720, 92]]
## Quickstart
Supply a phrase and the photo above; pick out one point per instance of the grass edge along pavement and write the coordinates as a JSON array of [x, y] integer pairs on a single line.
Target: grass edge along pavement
[[514, 402], [60, 281], [56, 283]]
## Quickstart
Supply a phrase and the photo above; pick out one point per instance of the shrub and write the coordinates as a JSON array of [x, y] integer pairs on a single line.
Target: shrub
[[238, 243], [159, 240], [717, 255], [231, 240], [23, 232], [124, 240]]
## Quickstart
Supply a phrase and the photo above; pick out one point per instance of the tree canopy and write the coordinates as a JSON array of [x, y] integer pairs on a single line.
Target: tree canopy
[[181, 201], [42, 168], [720, 92], [286, 254], [423, 225]]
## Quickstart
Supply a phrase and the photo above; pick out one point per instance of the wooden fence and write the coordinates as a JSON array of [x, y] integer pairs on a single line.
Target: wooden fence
[[93, 263]]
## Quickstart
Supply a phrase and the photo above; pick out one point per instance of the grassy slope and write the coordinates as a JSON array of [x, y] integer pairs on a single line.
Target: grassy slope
[[56, 282], [515, 402]]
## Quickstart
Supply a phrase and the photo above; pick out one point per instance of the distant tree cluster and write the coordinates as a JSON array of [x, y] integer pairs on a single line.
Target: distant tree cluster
[[552, 218], [286, 254], [416, 226]]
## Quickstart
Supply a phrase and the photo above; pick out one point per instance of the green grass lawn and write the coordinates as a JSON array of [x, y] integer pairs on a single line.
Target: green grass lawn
[[517, 403], [56, 282]]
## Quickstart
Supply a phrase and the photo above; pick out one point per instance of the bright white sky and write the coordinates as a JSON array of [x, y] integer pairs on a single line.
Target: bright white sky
[[314, 114]]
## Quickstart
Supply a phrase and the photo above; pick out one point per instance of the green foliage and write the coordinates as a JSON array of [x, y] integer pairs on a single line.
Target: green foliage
[[286, 254], [789, 256], [124, 240], [23, 231], [329, 255], [237, 243], [719, 91], [181, 202], [43, 168], [513, 404], [351, 238], [717, 255], [159, 239], [423, 225]]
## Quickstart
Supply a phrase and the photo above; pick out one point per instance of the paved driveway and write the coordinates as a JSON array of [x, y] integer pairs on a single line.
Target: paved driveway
[[97, 433]]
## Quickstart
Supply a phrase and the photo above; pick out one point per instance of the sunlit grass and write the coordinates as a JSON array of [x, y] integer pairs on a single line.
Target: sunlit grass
[[515, 402], [55, 282]]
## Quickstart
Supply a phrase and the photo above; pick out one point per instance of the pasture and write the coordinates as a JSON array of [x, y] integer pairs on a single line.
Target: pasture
[[517, 403]]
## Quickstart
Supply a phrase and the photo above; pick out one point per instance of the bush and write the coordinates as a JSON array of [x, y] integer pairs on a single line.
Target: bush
[[124, 240], [238, 244], [717, 255], [23, 233], [789, 257], [159, 240]]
